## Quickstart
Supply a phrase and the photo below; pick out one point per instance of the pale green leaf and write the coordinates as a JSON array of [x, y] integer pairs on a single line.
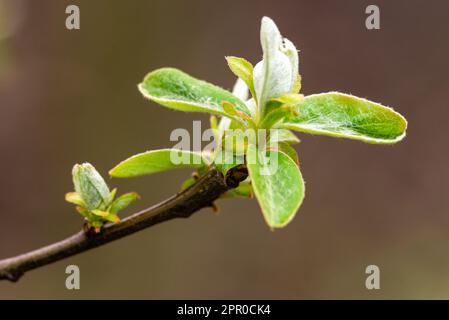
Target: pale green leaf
[[213, 123], [175, 89], [157, 161], [289, 100], [283, 135], [123, 201], [100, 213], [277, 115], [112, 217], [112, 196], [188, 183], [242, 69], [84, 212], [75, 198], [278, 186], [240, 90], [229, 109], [288, 150], [346, 116], [244, 190]]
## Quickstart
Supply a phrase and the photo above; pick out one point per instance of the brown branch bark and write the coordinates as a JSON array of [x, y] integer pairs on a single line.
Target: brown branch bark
[[182, 205]]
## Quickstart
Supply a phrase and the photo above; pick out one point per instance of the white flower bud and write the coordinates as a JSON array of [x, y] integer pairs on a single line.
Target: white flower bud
[[276, 74]]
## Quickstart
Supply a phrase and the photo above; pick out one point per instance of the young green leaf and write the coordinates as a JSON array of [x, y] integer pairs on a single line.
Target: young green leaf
[[243, 119], [188, 183], [276, 115], [213, 122], [283, 135], [243, 69], [286, 100], [157, 161], [240, 90], [75, 198], [288, 150], [175, 89], [290, 99], [112, 217], [111, 196], [84, 212], [100, 213], [244, 190], [279, 187], [123, 201], [345, 116], [229, 109]]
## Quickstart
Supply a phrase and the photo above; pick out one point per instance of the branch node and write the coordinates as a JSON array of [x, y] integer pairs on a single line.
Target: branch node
[[236, 175]]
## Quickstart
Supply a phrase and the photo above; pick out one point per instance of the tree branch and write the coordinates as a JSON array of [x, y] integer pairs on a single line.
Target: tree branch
[[182, 205]]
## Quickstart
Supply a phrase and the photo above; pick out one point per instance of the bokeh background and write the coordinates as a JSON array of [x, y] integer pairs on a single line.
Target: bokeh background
[[70, 96]]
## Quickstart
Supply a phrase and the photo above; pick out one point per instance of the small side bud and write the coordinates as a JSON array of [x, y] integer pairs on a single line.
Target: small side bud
[[90, 185], [93, 199]]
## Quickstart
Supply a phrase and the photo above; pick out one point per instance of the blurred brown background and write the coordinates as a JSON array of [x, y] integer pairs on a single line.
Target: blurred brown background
[[70, 96]]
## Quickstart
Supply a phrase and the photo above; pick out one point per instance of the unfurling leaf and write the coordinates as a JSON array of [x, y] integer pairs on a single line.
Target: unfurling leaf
[[188, 183], [277, 73], [345, 116], [290, 99], [90, 185], [75, 198], [123, 201], [93, 199], [244, 70]]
